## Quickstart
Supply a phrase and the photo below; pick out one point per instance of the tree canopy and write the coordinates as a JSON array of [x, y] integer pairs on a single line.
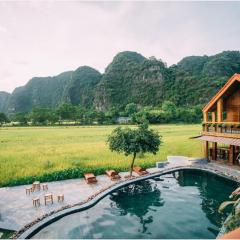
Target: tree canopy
[[3, 118], [134, 141]]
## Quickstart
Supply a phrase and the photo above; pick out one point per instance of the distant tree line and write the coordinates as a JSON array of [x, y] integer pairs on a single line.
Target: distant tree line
[[168, 112]]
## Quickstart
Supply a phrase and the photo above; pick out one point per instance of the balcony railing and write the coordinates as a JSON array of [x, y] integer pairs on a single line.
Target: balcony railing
[[222, 128]]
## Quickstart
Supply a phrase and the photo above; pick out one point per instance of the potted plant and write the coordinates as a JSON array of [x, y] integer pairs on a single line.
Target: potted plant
[[214, 126], [224, 127]]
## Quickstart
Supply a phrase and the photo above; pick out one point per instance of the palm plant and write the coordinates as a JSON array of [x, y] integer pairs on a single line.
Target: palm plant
[[235, 201]]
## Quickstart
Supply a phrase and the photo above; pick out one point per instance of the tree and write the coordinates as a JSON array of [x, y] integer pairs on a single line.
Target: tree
[[67, 112], [42, 116], [170, 109], [3, 118], [100, 117], [21, 118], [134, 141], [112, 114], [130, 109]]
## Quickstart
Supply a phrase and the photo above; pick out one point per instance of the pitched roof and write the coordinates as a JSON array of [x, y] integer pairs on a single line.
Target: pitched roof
[[234, 78]]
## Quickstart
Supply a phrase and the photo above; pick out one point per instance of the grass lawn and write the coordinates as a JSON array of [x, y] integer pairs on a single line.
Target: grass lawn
[[34, 151]]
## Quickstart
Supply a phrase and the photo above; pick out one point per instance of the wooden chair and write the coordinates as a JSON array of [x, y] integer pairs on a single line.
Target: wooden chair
[[36, 186], [44, 187], [48, 198], [140, 171], [60, 197], [90, 178], [113, 174], [29, 190], [36, 202]]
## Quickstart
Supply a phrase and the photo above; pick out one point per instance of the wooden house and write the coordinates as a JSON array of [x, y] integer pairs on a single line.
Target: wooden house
[[221, 124]]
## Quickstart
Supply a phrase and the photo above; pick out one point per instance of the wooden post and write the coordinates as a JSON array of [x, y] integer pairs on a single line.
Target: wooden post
[[219, 110], [231, 155], [213, 117], [206, 147], [205, 117], [214, 151]]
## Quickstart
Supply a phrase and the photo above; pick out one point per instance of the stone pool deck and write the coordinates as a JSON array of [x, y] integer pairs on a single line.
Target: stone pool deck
[[16, 208]]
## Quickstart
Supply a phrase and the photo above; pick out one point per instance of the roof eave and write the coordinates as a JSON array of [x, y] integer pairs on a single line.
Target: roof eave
[[235, 77]]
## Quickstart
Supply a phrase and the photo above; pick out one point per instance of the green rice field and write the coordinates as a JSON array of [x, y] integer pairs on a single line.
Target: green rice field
[[27, 152]]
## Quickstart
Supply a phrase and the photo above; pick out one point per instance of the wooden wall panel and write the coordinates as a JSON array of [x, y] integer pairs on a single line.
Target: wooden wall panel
[[233, 107]]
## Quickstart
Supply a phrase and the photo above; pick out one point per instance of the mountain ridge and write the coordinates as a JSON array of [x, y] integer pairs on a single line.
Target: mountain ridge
[[130, 77]]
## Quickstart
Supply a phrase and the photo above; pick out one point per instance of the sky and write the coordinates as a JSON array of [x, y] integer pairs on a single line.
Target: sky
[[45, 38]]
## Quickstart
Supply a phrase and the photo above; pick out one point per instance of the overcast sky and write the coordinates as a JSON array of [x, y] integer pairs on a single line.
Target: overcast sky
[[45, 38]]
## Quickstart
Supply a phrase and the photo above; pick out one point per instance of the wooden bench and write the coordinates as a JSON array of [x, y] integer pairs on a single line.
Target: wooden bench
[[140, 171], [113, 174], [90, 178]]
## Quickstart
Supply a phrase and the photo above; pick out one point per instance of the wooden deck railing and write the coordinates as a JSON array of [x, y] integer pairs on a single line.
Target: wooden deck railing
[[222, 129]]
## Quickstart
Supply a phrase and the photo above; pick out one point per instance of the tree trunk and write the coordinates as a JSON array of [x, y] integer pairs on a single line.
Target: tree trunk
[[131, 169]]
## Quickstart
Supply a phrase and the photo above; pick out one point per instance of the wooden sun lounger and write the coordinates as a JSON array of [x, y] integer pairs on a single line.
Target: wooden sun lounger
[[90, 178], [113, 174], [140, 171]]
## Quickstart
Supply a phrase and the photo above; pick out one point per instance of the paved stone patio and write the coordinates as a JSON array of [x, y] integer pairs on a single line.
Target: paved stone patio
[[16, 208]]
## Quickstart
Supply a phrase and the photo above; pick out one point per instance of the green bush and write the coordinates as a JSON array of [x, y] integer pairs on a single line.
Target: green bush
[[70, 173]]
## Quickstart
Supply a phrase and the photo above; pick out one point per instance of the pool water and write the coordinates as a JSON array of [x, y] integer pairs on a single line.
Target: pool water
[[182, 204]]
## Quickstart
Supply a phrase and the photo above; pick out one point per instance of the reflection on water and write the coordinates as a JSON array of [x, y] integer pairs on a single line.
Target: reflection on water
[[179, 205], [130, 201], [213, 191]]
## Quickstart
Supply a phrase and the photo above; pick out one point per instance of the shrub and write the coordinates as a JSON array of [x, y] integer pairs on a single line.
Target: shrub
[[65, 174]]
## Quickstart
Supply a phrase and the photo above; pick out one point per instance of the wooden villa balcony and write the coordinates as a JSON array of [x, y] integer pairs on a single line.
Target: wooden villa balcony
[[221, 129]]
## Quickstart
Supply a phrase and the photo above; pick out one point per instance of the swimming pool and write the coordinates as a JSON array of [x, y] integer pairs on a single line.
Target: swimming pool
[[182, 204]]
